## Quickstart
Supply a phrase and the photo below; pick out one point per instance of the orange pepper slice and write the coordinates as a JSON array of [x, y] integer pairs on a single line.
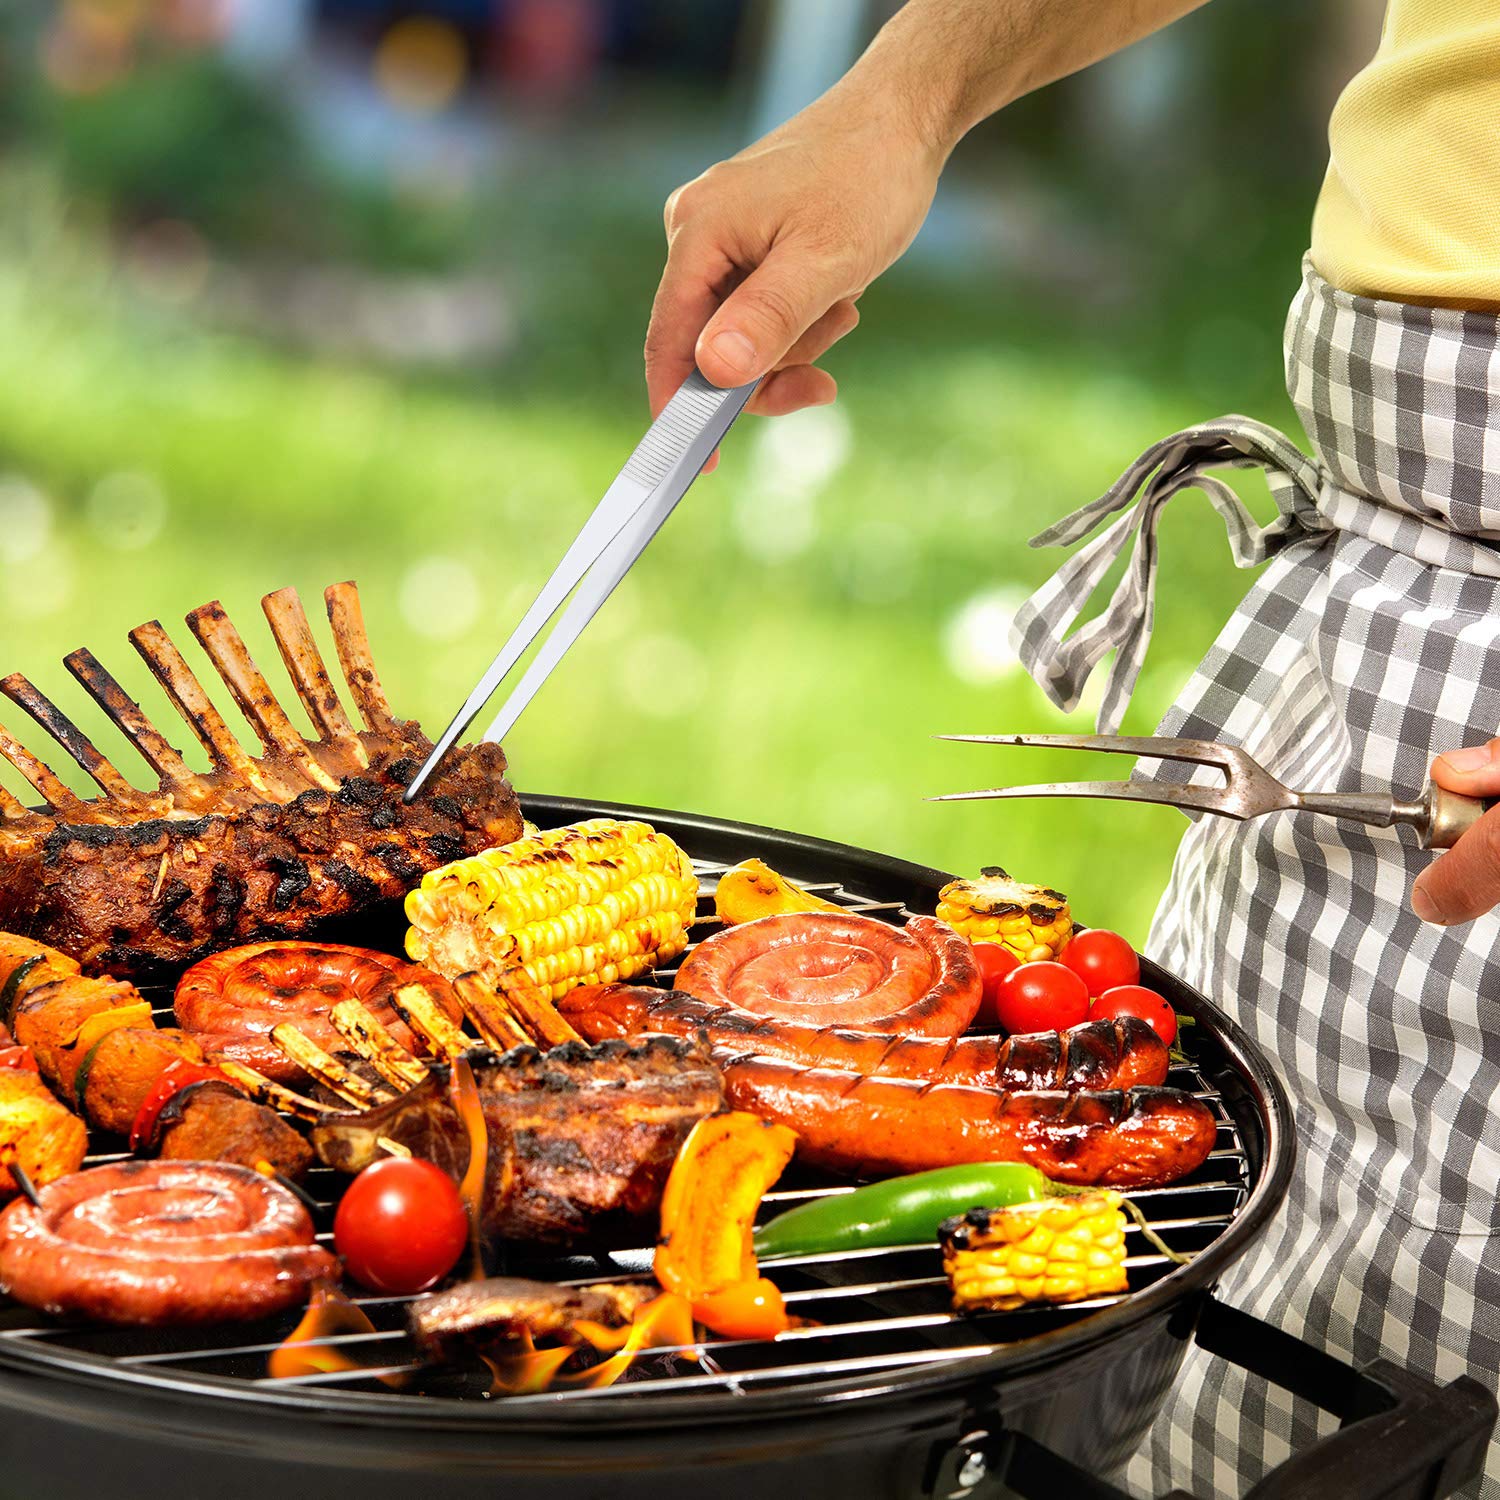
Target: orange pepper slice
[[746, 1310]]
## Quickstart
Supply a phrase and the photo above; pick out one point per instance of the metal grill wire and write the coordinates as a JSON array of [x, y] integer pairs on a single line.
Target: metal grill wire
[[864, 1310]]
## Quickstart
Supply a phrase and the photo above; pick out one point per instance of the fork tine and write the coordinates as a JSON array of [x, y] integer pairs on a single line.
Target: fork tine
[[1197, 798], [1163, 747]]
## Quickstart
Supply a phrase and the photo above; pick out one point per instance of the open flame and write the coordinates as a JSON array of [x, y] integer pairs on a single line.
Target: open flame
[[304, 1350], [530, 1371], [470, 1110], [664, 1322]]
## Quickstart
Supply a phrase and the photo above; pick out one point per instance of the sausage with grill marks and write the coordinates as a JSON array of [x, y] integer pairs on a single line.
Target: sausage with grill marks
[[887, 1126], [161, 1243], [841, 969], [1112, 1054]]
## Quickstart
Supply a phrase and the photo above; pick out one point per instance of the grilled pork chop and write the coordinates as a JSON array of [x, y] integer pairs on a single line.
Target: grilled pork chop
[[581, 1139], [271, 846]]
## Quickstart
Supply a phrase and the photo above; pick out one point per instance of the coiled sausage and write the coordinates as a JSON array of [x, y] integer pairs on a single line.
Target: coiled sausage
[[230, 1002], [160, 1242], [831, 969], [1113, 1054]]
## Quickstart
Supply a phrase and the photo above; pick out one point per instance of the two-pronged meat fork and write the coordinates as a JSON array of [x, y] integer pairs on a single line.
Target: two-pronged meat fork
[[1249, 790]]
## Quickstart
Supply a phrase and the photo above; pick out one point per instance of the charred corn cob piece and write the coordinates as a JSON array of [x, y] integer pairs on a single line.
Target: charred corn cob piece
[[592, 903], [1030, 920], [1054, 1250]]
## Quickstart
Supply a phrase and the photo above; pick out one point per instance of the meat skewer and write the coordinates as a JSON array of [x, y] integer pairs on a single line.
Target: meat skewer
[[95, 1042], [40, 1139], [134, 881]]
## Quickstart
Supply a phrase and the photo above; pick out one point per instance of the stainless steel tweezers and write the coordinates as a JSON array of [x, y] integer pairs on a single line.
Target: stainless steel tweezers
[[1249, 791], [645, 492]]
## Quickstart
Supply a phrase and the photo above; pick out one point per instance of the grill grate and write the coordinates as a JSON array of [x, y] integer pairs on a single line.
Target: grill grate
[[869, 1311]]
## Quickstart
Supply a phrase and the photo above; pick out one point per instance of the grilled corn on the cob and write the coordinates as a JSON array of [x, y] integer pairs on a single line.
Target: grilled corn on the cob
[[1030, 920], [593, 903], [1056, 1250]]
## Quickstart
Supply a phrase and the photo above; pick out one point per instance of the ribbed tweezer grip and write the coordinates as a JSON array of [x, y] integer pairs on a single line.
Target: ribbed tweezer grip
[[681, 420]]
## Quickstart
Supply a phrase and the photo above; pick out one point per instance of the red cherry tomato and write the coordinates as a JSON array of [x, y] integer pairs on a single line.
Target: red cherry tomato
[[1041, 997], [995, 962], [1137, 1000], [401, 1226], [1102, 960]]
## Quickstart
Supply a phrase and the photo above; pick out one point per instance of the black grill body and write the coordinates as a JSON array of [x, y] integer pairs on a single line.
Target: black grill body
[[892, 1397]]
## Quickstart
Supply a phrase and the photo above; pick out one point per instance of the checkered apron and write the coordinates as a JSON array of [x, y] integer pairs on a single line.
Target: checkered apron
[[1370, 644]]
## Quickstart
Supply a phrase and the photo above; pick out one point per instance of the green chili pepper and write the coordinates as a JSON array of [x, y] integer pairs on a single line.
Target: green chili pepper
[[902, 1211], [10, 993]]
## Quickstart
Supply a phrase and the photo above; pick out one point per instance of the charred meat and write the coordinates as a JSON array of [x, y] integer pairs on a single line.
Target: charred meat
[[581, 1139], [486, 1317], [262, 846]]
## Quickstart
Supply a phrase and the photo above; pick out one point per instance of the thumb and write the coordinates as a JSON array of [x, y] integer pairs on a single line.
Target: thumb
[[766, 314], [1473, 771]]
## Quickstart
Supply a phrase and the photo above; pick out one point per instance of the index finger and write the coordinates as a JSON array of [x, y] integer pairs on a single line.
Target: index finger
[[693, 284]]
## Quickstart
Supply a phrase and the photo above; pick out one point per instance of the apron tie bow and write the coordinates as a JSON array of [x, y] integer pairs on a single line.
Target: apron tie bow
[[1062, 667]]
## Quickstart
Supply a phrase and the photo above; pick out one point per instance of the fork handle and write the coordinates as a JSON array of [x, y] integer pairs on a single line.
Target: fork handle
[[1440, 817], [1447, 816]]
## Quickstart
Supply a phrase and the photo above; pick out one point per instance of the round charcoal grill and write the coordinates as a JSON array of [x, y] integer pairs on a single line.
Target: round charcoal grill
[[887, 1393]]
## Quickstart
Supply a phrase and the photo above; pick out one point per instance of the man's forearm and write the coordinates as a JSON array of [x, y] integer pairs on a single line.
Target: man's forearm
[[951, 63]]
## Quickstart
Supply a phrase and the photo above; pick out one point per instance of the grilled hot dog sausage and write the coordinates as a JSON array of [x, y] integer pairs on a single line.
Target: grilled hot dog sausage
[[885, 1126]]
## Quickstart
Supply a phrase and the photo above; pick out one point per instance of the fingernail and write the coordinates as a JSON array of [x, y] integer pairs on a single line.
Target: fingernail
[[1471, 758], [735, 350], [1425, 907]]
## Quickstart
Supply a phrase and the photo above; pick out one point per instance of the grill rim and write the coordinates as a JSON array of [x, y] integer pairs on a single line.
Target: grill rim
[[643, 1409]]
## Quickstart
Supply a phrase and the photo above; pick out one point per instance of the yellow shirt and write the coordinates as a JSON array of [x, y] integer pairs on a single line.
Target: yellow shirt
[[1410, 208]]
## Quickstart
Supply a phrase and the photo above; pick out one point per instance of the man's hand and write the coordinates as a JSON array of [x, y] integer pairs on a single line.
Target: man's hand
[[768, 251], [1465, 882]]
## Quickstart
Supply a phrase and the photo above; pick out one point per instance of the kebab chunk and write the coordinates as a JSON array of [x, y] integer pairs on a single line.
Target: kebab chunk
[[581, 1139], [137, 881], [45, 1137], [501, 1314]]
